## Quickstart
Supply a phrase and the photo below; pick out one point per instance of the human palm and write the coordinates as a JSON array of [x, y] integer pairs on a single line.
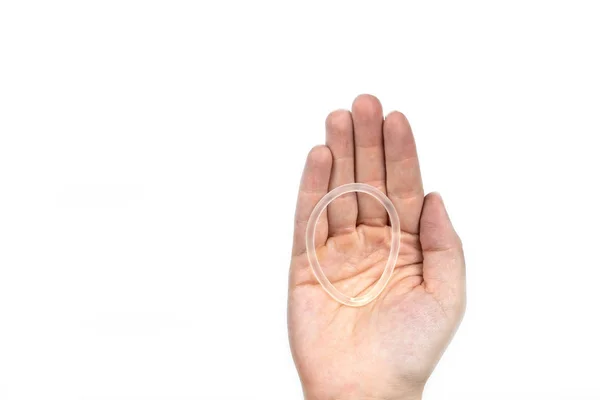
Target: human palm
[[388, 348]]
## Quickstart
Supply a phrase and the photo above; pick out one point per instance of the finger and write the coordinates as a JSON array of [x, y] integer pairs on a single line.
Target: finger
[[342, 211], [443, 259], [367, 117], [313, 185], [403, 175]]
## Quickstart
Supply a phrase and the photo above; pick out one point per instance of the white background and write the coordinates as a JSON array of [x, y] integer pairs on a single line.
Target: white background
[[149, 159]]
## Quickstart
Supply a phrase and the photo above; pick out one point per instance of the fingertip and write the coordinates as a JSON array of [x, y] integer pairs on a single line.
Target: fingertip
[[339, 120], [437, 233], [399, 140], [435, 197], [396, 123], [436, 200], [339, 138], [320, 156], [396, 118], [366, 106]]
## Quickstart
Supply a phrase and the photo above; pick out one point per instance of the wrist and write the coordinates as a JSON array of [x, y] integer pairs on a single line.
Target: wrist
[[397, 395]]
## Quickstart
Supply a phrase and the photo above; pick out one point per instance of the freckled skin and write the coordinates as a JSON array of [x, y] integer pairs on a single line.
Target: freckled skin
[[388, 348]]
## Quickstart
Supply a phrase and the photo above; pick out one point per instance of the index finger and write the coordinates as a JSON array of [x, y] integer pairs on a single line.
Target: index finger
[[403, 174]]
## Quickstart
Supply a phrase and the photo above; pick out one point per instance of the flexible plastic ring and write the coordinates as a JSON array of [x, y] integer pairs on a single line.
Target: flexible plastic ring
[[312, 253]]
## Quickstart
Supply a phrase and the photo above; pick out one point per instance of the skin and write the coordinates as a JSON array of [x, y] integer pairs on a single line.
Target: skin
[[388, 348]]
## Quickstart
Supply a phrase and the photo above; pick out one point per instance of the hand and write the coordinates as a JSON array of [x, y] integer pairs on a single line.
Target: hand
[[388, 348]]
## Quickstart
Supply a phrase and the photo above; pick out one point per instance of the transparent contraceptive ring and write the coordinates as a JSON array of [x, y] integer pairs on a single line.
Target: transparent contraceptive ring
[[394, 248]]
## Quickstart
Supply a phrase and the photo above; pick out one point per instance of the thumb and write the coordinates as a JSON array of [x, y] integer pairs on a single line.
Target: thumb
[[443, 258]]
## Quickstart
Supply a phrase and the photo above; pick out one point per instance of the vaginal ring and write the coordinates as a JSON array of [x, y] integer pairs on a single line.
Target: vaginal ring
[[394, 250]]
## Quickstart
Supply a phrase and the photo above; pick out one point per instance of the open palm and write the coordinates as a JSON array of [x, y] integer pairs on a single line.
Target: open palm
[[388, 348]]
